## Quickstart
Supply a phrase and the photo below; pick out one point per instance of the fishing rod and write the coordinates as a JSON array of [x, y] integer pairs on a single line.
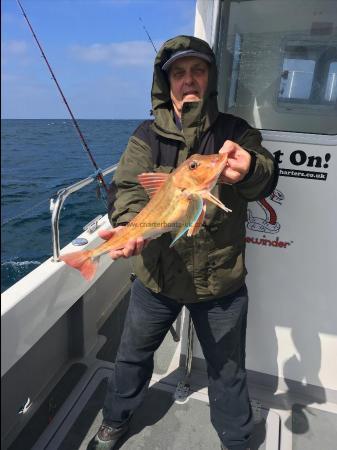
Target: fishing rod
[[148, 35], [98, 173], [140, 19]]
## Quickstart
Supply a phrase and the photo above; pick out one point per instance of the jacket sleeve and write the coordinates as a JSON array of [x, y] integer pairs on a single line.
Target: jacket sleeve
[[262, 177], [127, 197]]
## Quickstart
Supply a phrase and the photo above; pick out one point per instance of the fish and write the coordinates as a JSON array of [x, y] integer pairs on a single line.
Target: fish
[[177, 203]]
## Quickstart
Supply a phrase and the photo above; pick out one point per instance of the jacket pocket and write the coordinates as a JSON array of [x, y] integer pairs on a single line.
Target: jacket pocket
[[226, 270], [148, 267]]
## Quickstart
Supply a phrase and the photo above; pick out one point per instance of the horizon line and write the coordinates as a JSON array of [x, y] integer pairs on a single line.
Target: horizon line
[[62, 118]]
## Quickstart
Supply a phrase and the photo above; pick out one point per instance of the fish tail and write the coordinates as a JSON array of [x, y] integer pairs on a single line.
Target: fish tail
[[83, 262]]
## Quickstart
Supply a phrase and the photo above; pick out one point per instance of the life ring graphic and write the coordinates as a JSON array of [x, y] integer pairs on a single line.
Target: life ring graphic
[[268, 223]]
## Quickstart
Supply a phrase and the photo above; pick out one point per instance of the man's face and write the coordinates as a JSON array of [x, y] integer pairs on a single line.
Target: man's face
[[188, 79]]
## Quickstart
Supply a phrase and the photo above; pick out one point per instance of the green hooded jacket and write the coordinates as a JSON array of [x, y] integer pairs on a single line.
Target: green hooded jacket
[[210, 264]]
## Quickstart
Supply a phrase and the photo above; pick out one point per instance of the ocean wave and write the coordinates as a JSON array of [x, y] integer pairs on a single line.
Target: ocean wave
[[13, 270], [19, 264], [33, 219]]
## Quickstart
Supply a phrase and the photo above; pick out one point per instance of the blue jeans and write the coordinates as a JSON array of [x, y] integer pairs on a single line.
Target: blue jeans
[[220, 325]]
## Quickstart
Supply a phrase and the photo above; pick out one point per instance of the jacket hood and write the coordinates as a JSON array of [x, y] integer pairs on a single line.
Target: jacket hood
[[197, 117]]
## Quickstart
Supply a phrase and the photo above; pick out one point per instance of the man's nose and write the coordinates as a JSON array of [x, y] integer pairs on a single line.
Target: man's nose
[[188, 78]]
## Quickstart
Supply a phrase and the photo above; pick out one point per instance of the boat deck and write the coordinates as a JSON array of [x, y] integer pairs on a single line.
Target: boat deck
[[160, 423], [281, 422]]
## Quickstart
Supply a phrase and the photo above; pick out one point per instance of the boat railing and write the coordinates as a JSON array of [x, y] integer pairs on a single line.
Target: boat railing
[[56, 207]]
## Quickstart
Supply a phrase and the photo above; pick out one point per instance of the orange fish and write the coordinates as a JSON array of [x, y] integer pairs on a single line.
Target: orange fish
[[177, 203]]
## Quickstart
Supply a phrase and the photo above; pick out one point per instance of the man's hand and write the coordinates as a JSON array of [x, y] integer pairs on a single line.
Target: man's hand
[[238, 162], [133, 246]]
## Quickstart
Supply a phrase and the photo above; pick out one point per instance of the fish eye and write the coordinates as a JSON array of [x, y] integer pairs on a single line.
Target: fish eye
[[193, 165]]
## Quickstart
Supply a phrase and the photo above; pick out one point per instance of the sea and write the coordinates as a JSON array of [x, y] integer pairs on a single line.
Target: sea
[[39, 157]]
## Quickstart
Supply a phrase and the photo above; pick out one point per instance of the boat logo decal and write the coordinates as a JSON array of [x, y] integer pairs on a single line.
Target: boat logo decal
[[264, 219]]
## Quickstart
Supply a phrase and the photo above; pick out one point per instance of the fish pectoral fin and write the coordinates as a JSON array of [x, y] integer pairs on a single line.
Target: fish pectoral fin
[[194, 210], [210, 197], [195, 228], [152, 181]]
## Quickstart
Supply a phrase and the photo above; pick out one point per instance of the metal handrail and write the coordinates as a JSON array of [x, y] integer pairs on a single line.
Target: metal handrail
[[56, 206], [189, 355]]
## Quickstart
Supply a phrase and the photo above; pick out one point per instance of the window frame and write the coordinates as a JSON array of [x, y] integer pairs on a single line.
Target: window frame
[[298, 105]]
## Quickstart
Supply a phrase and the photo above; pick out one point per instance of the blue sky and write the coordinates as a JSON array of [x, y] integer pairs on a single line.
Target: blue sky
[[98, 50]]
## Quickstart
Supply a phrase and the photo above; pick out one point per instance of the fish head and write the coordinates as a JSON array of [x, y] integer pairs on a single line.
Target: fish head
[[199, 173]]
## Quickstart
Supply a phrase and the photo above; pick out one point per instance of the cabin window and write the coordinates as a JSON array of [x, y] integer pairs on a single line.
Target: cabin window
[[278, 64], [296, 79], [308, 75]]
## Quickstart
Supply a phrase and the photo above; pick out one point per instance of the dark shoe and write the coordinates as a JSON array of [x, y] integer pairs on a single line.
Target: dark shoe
[[107, 437], [225, 448]]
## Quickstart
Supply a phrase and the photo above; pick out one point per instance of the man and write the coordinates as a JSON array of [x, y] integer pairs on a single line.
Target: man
[[205, 273]]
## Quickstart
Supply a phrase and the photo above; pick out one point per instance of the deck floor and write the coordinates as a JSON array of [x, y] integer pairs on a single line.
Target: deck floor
[[159, 424], [162, 424]]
